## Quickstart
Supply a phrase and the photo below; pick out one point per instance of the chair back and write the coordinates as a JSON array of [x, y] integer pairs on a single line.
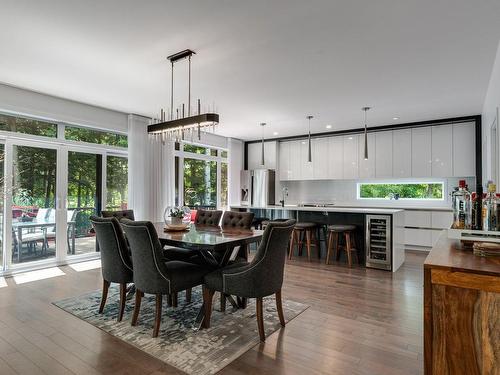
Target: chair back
[[150, 272], [115, 259], [237, 220], [208, 217], [123, 214], [42, 214], [264, 275]]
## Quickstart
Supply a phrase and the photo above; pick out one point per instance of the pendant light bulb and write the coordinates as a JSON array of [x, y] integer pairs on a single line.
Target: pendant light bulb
[[309, 151], [366, 109], [262, 149]]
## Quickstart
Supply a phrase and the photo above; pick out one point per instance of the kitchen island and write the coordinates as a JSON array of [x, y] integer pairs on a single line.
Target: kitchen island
[[461, 311], [359, 216]]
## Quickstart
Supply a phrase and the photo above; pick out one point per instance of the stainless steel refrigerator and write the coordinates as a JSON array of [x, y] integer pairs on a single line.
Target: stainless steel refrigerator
[[263, 186]]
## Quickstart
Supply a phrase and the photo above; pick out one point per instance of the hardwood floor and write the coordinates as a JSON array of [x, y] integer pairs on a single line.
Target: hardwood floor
[[360, 321]]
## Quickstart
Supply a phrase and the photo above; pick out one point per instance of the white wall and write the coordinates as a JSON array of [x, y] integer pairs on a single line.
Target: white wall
[[236, 152], [21, 101], [491, 102]]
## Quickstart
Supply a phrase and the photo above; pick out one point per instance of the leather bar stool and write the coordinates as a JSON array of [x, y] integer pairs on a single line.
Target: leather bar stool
[[307, 230], [334, 233]]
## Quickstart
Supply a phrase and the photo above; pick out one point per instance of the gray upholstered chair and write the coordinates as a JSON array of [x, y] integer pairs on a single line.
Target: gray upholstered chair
[[257, 279], [123, 214], [208, 217], [115, 259], [152, 273]]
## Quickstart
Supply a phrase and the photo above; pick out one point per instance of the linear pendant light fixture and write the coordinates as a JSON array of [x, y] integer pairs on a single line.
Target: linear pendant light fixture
[[175, 128], [262, 149], [366, 109], [309, 152]]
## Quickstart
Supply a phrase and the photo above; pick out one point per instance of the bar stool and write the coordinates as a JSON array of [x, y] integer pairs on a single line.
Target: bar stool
[[309, 231], [333, 242]]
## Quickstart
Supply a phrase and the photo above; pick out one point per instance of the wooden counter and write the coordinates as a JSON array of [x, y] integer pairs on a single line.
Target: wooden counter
[[461, 311]]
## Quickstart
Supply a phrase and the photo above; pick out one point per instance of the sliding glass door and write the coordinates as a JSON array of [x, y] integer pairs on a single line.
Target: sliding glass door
[[83, 200], [32, 195]]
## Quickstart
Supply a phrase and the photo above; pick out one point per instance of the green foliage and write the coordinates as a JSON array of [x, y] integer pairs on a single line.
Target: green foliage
[[200, 183], [95, 136], [405, 191], [116, 182], [27, 126], [176, 212]]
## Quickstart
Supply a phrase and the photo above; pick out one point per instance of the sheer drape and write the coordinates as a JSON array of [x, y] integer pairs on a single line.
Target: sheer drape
[[162, 177]]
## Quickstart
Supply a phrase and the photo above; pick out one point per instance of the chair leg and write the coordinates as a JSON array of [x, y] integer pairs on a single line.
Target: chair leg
[[207, 305], [174, 299], [260, 319], [222, 302], [105, 288], [317, 238], [188, 295], [137, 306], [308, 241], [279, 307], [123, 298], [156, 328], [292, 237], [329, 247], [336, 246], [348, 248], [169, 300]]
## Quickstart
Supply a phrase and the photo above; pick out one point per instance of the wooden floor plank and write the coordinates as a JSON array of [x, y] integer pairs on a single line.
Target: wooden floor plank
[[360, 321]]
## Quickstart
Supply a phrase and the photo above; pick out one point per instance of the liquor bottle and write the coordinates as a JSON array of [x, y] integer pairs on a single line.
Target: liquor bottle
[[461, 207], [490, 209], [477, 207]]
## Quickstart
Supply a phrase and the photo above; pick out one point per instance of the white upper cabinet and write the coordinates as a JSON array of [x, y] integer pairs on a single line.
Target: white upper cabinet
[[366, 167], [255, 155], [335, 158], [421, 149], [442, 151], [295, 161], [383, 154], [306, 167], [320, 159], [401, 153], [464, 150], [350, 157], [284, 161]]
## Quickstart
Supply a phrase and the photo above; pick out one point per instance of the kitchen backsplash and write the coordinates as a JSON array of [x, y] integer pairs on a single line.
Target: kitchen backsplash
[[345, 192]]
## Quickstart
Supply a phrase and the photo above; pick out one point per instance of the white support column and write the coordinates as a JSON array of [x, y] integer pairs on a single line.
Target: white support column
[[138, 166]]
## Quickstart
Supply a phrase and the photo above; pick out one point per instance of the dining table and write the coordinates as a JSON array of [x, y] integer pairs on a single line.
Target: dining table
[[216, 245]]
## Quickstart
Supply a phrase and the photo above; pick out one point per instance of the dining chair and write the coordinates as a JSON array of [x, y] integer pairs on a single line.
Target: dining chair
[[122, 214], [116, 264], [234, 220], [153, 274], [262, 277], [209, 218]]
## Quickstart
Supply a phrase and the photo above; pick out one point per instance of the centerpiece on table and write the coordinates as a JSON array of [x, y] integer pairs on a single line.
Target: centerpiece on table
[[177, 218]]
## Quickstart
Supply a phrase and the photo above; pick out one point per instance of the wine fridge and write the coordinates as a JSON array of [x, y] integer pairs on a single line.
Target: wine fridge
[[378, 242]]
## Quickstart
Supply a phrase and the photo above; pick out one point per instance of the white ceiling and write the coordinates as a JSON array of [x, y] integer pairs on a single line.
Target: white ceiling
[[274, 61]]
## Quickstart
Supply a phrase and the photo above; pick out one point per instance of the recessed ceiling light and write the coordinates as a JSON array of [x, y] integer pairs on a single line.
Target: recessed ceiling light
[[303, 142], [275, 133], [395, 118], [328, 126]]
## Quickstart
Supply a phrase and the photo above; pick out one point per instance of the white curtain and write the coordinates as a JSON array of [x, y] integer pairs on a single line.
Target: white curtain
[[162, 177]]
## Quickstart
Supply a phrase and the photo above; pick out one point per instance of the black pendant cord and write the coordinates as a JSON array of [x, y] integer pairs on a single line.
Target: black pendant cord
[[172, 94], [189, 88]]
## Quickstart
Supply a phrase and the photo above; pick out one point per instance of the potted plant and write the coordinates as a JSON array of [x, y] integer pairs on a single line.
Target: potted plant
[[176, 215]]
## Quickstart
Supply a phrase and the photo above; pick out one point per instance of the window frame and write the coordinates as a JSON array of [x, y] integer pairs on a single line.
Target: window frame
[[181, 155], [403, 182]]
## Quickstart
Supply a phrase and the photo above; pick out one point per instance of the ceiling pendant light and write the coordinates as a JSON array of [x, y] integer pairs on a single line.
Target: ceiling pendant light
[[262, 149], [174, 128], [309, 152], [366, 109]]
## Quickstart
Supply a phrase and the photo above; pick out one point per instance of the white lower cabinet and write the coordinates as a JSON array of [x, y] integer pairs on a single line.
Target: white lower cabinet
[[441, 219], [418, 237], [423, 228]]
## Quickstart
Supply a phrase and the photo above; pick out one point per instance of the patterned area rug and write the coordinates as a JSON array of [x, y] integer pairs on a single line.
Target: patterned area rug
[[179, 343]]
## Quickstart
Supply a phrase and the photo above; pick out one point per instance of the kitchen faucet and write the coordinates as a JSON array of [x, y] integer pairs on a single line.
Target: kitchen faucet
[[284, 193]]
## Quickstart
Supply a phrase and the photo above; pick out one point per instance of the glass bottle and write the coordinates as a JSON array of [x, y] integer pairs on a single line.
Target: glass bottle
[[490, 209], [461, 207], [477, 208]]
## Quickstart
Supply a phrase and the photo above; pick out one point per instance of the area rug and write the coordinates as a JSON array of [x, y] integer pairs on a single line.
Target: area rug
[[179, 344]]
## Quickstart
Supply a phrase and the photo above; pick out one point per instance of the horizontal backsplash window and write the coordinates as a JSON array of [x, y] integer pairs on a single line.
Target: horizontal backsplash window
[[412, 190]]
